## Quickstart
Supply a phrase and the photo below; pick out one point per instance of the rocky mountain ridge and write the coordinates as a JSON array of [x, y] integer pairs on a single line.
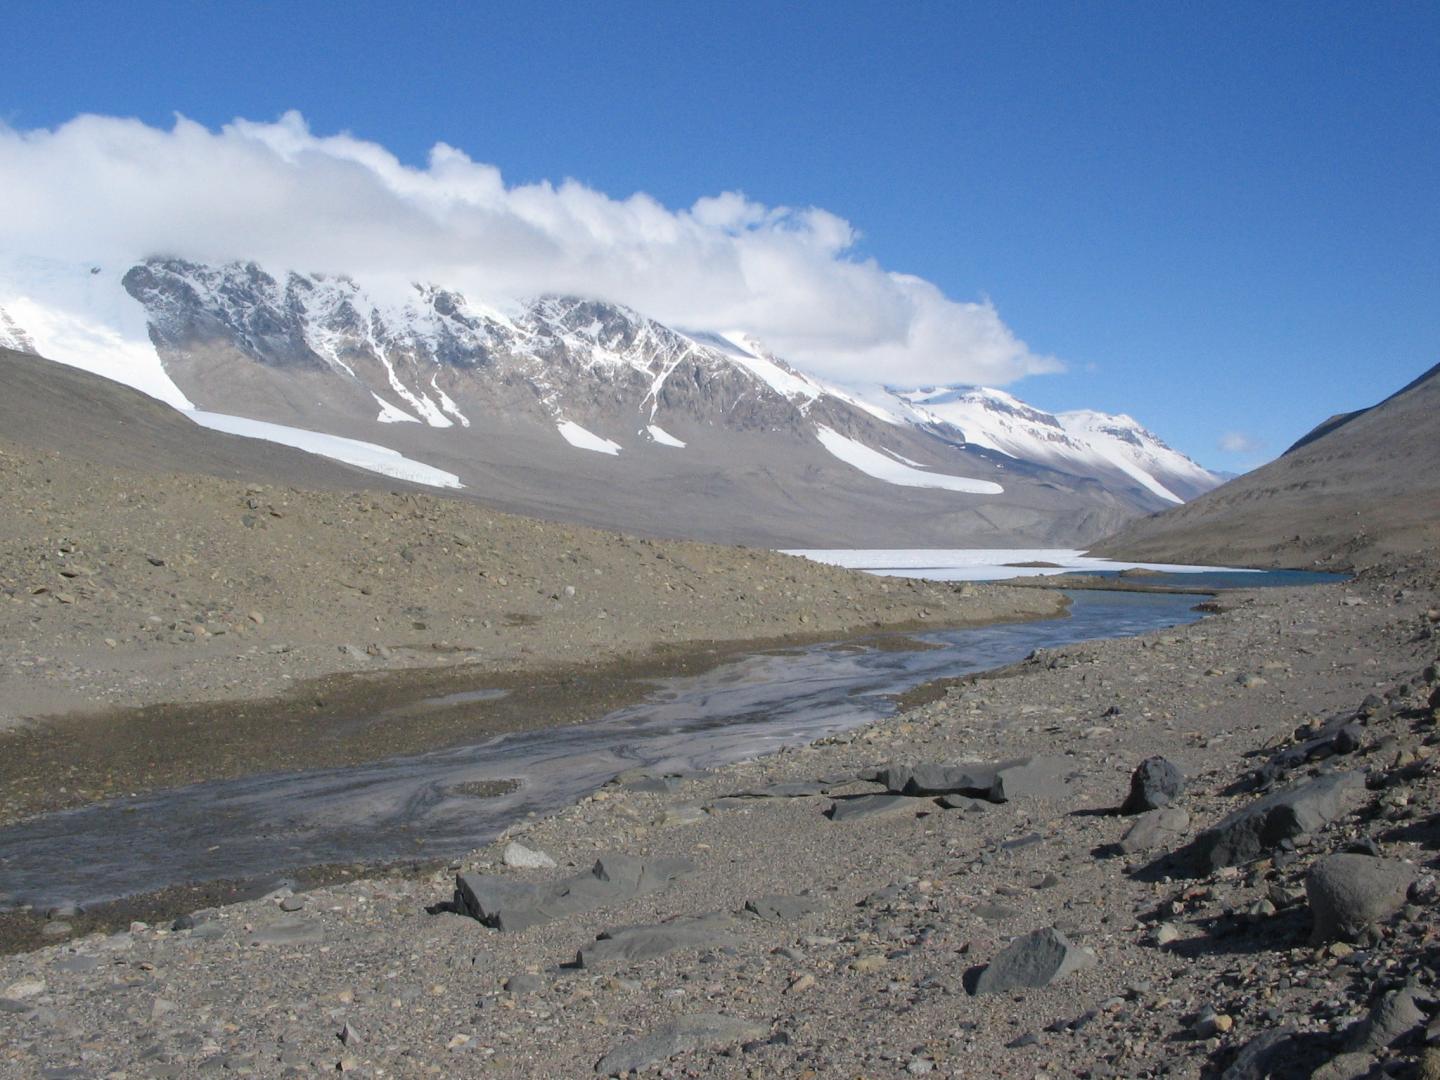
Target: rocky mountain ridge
[[713, 437]]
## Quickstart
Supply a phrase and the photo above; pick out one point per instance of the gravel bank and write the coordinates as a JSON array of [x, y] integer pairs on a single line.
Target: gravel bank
[[869, 931]]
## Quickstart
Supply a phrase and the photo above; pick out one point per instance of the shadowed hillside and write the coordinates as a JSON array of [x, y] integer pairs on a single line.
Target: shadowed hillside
[[1360, 486]]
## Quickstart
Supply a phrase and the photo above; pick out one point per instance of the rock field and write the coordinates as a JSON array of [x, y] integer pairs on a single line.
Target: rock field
[[953, 892]]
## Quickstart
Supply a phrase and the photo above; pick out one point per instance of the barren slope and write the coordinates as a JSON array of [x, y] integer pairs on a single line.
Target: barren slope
[[1360, 487]]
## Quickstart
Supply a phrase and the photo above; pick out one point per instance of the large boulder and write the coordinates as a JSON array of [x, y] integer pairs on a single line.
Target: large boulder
[[1037, 959], [1349, 894], [1154, 784], [1251, 832]]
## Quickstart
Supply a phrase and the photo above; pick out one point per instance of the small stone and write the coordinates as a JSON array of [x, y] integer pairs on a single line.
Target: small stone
[[1165, 933], [868, 963], [22, 989], [1210, 1023], [292, 903], [521, 857], [349, 1036], [800, 985]]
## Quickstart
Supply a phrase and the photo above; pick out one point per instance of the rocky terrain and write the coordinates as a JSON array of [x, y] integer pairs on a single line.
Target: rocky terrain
[[1361, 487], [873, 906]]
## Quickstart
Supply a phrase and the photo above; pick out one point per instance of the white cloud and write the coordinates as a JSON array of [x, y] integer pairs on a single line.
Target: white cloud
[[1237, 442], [108, 190]]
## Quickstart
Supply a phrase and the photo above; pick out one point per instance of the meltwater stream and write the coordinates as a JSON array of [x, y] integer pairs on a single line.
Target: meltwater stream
[[412, 807]]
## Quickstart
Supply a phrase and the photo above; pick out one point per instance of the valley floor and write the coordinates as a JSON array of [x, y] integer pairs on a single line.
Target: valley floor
[[868, 931], [162, 628]]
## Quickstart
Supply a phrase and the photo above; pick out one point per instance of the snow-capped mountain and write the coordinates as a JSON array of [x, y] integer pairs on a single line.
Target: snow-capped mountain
[[705, 433], [1090, 443]]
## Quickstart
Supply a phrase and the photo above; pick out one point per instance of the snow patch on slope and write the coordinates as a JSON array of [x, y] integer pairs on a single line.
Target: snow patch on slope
[[663, 437], [1134, 449], [584, 439], [874, 463], [447, 403], [364, 455], [389, 414], [81, 316]]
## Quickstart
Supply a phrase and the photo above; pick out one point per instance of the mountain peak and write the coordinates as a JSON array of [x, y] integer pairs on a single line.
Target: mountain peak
[[556, 398]]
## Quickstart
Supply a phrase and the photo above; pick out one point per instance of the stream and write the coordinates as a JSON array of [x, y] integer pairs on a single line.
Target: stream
[[444, 803]]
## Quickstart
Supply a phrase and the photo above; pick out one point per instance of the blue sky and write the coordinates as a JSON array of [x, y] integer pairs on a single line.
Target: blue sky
[[1223, 219]]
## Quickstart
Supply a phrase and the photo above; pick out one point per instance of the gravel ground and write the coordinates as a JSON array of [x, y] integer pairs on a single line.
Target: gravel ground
[[121, 588], [1179, 969]]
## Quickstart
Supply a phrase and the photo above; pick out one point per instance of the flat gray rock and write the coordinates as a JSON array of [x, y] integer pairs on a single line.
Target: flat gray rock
[[864, 806], [960, 802], [782, 908], [1037, 959], [702, 1031], [507, 904], [1156, 829], [1030, 778], [1350, 893], [627, 945], [1253, 831]]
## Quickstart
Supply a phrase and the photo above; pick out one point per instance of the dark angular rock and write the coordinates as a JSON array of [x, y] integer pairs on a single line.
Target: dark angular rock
[[1154, 784], [959, 802], [1284, 815]]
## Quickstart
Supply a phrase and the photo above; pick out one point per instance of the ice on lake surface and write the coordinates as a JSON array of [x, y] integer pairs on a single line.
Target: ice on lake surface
[[984, 564]]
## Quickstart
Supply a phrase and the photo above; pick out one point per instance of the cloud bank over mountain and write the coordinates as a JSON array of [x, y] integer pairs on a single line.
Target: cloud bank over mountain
[[109, 190]]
